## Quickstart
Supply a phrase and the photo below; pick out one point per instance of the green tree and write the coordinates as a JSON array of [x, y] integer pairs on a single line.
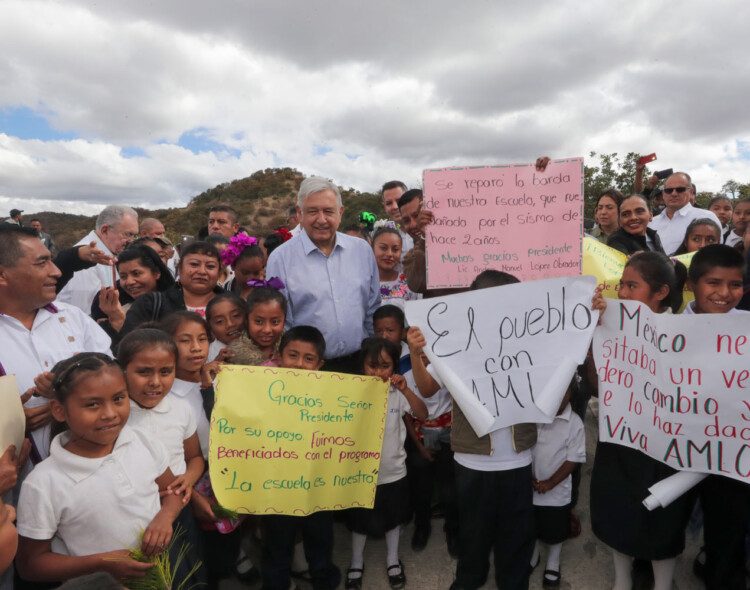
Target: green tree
[[731, 187], [703, 198], [743, 191]]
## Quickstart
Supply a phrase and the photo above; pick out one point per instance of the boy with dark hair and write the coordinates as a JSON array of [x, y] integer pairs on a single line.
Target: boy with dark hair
[[305, 342], [492, 278], [715, 275], [389, 322], [302, 347]]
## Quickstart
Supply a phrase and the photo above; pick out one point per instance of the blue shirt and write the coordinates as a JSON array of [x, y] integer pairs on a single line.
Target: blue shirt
[[338, 294]]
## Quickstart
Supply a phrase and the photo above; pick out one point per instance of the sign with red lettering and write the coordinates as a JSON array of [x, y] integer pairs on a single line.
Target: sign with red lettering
[[676, 387], [511, 218]]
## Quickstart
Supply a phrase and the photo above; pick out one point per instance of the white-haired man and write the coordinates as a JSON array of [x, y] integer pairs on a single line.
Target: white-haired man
[[116, 226], [331, 279]]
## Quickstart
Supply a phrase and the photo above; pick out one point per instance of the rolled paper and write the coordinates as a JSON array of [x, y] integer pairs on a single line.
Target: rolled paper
[[545, 401], [478, 416], [12, 418], [666, 491]]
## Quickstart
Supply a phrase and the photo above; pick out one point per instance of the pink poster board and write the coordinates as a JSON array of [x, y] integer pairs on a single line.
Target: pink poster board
[[510, 218]]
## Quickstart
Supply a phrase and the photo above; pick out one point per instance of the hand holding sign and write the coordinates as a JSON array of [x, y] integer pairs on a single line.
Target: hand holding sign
[[525, 219]]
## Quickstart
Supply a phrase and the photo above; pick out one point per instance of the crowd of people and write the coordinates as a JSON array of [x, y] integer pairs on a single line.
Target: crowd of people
[[116, 342]]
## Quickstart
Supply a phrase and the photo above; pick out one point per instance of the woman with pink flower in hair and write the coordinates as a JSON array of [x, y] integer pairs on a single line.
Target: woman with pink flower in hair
[[386, 244], [248, 261]]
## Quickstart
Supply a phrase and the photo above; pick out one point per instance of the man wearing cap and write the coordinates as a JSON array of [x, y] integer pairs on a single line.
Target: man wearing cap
[[116, 227], [15, 217], [672, 223]]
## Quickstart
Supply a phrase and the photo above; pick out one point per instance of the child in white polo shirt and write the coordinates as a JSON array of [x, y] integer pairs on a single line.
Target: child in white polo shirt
[[560, 447], [97, 495]]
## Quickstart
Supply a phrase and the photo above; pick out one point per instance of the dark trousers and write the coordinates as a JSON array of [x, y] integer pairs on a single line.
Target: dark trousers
[[220, 553], [424, 476], [278, 550], [495, 511], [725, 515]]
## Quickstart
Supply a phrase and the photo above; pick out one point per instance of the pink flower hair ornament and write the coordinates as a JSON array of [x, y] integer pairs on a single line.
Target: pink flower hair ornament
[[236, 245]]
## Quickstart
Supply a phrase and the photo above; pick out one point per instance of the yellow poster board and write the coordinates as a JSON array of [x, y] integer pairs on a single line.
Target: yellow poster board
[[607, 264], [295, 442]]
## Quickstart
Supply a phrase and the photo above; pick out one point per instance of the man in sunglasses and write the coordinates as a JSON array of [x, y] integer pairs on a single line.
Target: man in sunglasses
[[672, 222]]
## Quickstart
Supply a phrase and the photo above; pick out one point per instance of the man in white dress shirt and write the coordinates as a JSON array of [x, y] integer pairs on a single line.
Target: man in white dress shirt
[[672, 223], [36, 334], [116, 226]]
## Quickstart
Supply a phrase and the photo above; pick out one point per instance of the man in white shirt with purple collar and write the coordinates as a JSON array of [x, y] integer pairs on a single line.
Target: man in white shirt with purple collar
[[672, 223], [34, 332]]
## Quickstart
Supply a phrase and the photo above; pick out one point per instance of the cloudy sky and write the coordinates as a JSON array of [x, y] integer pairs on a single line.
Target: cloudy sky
[[149, 102]]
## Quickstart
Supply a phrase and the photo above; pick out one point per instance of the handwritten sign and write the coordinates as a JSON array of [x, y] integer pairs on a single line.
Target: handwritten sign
[[676, 387], [607, 264], [510, 218], [514, 348], [295, 442]]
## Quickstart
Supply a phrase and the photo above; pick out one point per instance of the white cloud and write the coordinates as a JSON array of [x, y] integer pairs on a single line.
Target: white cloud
[[360, 92]]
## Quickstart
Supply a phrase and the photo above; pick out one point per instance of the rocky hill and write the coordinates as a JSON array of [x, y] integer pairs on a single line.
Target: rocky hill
[[261, 200]]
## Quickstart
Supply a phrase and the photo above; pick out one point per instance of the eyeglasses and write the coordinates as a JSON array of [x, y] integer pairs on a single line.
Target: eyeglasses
[[128, 235], [679, 189]]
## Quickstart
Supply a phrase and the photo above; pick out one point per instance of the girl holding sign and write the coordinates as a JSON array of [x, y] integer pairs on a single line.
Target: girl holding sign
[[378, 358], [621, 475]]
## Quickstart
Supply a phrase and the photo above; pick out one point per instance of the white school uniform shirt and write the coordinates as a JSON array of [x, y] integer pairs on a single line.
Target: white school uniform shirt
[[438, 404], [89, 506], [172, 422], [191, 393], [407, 243], [672, 231], [393, 454], [557, 442], [502, 457], [690, 309], [85, 284], [59, 331], [732, 239]]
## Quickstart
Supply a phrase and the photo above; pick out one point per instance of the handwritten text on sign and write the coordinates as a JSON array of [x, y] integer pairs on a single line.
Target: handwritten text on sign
[[607, 265], [510, 218], [295, 442], [514, 347], [676, 387]]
